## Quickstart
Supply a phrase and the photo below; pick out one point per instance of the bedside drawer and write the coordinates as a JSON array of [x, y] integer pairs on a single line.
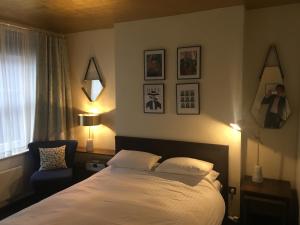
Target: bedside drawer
[[265, 203], [265, 206], [94, 166]]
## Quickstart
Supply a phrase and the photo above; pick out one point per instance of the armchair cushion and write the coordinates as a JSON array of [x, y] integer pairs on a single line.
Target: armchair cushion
[[51, 175], [71, 146], [51, 179], [52, 158]]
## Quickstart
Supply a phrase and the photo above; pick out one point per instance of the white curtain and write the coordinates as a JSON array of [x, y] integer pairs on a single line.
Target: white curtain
[[17, 89]]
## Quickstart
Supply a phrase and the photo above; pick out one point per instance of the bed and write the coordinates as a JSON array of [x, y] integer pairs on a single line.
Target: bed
[[131, 197]]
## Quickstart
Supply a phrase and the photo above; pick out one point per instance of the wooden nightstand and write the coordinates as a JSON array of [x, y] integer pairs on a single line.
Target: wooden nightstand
[[266, 203], [81, 172]]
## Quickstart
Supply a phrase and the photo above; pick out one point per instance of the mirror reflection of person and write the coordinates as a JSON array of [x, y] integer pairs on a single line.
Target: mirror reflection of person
[[276, 101], [153, 103]]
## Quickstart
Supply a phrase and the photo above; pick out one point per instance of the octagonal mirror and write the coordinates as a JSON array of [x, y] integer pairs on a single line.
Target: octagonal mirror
[[271, 108], [92, 85]]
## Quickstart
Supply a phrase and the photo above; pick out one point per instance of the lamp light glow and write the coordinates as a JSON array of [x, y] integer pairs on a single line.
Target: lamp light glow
[[235, 126]]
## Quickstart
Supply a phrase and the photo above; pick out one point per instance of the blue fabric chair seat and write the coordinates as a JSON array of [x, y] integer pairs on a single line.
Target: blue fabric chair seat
[[52, 175], [52, 180]]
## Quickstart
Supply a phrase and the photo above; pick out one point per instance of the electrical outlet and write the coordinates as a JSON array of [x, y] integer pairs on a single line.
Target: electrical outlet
[[232, 190]]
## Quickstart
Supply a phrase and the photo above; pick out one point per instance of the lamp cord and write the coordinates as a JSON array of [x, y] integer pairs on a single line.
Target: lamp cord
[[257, 153]]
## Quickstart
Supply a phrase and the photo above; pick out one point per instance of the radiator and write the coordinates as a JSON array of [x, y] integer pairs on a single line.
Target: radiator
[[11, 183]]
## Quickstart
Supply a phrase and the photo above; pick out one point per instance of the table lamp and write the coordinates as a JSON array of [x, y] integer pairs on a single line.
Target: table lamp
[[89, 120], [257, 176]]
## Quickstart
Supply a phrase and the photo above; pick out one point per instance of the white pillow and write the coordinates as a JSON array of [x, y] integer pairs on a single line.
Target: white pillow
[[213, 175], [186, 166], [134, 160]]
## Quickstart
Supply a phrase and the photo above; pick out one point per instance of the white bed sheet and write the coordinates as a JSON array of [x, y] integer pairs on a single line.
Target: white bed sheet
[[118, 196]]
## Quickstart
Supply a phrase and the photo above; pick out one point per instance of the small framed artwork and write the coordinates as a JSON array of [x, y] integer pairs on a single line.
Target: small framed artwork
[[154, 98], [187, 99], [154, 64], [189, 62]]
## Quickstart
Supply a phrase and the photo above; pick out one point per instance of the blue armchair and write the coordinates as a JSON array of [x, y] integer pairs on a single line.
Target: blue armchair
[[46, 182]]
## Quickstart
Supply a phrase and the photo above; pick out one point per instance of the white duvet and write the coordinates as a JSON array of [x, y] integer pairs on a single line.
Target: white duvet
[[118, 196]]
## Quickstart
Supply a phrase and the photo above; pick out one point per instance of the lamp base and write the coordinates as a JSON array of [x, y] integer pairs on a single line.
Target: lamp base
[[89, 145], [257, 174]]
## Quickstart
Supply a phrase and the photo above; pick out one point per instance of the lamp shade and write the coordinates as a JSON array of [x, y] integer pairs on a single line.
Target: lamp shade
[[89, 119]]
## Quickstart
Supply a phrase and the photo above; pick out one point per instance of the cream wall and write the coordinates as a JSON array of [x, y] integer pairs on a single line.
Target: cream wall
[[82, 46], [220, 33], [278, 25]]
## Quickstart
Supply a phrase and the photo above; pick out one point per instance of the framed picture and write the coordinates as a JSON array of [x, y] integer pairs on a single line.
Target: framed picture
[[154, 98], [188, 62], [154, 64], [187, 99]]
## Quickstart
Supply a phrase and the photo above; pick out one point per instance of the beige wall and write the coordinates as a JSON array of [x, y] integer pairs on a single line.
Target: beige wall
[[278, 25], [82, 46], [220, 32]]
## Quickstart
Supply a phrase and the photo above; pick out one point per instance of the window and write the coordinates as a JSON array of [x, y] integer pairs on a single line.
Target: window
[[17, 90]]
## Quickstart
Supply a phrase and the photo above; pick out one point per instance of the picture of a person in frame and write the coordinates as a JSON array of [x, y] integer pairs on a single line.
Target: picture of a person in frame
[[153, 103], [154, 65], [276, 101], [188, 62]]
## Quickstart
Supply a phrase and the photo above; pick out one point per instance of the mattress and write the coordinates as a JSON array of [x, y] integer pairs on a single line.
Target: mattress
[[116, 196]]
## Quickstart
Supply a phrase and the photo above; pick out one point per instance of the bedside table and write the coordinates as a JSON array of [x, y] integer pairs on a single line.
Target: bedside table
[[265, 203], [88, 163]]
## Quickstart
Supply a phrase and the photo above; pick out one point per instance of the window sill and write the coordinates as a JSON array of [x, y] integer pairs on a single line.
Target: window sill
[[21, 152]]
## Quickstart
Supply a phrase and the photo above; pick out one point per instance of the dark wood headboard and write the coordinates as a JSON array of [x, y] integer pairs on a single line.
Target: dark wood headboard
[[216, 154]]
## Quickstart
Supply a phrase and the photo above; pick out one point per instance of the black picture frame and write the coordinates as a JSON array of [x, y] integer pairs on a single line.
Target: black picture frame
[[188, 94], [159, 59], [197, 75], [156, 89]]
